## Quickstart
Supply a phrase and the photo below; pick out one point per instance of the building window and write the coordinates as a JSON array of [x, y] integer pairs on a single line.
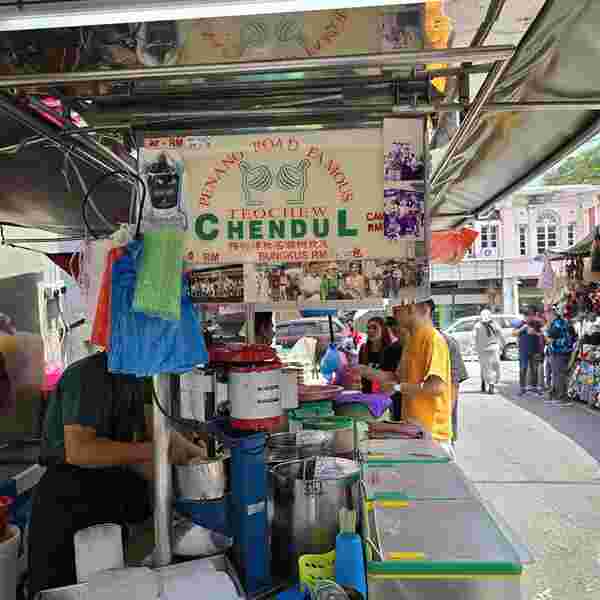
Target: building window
[[571, 234], [489, 236], [548, 223], [523, 240], [547, 238]]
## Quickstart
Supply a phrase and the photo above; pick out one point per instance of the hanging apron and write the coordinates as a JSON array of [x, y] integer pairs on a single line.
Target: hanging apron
[[68, 499]]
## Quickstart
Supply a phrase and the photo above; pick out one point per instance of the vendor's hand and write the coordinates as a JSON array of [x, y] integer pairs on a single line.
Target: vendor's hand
[[355, 373], [177, 454], [182, 450], [387, 387], [197, 450]]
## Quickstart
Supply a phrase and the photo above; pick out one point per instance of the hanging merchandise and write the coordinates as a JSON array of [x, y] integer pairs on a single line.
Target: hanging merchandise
[[101, 327], [546, 280], [158, 284], [450, 247], [92, 261], [164, 176], [595, 267], [141, 345]]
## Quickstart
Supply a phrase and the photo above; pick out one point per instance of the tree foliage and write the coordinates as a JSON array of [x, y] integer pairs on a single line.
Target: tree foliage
[[583, 167]]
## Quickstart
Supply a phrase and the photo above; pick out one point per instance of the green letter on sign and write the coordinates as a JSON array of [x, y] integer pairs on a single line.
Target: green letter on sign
[[343, 230], [201, 232], [298, 228], [256, 230], [235, 230]]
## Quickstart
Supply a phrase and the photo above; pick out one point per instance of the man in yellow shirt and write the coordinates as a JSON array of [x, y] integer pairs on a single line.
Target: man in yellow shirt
[[424, 373]]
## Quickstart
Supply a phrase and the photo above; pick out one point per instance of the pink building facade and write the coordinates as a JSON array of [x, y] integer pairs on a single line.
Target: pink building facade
[[505, 262]]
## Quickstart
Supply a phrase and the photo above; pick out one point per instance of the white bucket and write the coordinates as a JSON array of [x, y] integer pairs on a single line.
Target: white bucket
[[9, 550]]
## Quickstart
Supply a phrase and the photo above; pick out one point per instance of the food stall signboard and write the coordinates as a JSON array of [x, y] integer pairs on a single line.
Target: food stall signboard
[[309, 203]]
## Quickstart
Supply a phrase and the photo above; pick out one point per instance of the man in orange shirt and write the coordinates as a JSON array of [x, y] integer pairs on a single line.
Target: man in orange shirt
[[424, 374]]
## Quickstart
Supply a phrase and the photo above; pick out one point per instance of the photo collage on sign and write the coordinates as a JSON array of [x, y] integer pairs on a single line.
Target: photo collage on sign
[[404, 181], [315, 282], [219, 284]]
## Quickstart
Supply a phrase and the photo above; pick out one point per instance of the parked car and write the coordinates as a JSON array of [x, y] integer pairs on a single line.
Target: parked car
[[287, 333], [462, 331]]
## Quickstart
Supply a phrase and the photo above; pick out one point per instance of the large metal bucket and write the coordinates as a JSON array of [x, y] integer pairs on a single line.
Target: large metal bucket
[[306, 508], [203, 480]]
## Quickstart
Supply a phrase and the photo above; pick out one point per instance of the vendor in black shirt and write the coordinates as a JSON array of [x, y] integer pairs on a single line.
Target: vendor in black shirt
[[95, 432], [379, 358]]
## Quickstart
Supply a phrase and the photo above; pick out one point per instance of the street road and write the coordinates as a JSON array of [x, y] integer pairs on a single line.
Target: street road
[[538, 466]]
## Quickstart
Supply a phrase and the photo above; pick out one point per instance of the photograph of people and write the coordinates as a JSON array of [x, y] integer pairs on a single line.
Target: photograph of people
[[355, 283], [310, 287], [330, 285]]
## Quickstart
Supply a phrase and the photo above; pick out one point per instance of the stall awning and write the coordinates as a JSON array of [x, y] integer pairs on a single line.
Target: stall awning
[[554, 73], [530, 111], [581, 248]]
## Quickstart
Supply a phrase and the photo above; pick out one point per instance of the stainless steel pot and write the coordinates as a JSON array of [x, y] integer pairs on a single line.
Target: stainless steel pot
[[204, 480], [307, 497], [283, 447]]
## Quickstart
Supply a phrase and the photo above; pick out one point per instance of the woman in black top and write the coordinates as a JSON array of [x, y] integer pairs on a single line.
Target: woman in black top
[[379, 357]]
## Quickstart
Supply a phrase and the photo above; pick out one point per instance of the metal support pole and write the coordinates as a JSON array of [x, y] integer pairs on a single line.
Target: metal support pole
[[250, 324], [356, 61], [163, 484], [471, 119]]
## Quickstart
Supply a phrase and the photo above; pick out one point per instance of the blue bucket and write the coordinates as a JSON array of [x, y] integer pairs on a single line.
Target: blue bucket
[[212, 514]]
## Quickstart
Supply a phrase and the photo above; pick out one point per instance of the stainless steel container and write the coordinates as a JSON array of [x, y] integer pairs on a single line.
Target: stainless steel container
[[202, 480], [307, 497], [283, 447]]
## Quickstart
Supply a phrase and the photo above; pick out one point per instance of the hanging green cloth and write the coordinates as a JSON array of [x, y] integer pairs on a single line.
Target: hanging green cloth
[[159, 281]]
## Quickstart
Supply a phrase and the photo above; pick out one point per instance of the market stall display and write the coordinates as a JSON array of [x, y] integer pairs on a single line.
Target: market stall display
[[403, 451], [584, 381], [426, 549], [286, 197], [416, 481]]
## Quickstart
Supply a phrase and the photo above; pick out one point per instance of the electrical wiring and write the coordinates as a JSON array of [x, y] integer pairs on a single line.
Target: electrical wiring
[[96, 184], [84, 189]]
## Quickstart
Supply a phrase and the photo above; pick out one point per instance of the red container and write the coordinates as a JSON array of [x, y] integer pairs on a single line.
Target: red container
[[5, 504], [241, 353]]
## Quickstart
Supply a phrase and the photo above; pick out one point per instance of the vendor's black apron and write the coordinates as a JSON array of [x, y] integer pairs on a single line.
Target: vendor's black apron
[[68, 499]]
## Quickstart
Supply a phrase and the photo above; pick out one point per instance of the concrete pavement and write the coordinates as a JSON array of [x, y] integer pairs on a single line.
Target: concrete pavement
[[537, 465]]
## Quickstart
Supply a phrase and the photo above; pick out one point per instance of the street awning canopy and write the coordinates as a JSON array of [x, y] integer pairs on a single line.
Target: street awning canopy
[[556, 64], [552, 77], [582, 248]]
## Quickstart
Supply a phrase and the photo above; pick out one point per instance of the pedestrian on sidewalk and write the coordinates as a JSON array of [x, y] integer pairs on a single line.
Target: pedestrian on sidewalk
[[488, 343], [530, 335], [562, 339]]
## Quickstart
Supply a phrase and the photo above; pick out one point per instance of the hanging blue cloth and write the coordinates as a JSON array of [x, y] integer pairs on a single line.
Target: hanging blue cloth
[[145, 346]]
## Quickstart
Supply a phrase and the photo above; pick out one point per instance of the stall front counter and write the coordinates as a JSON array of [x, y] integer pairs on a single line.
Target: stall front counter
[[424, 550]]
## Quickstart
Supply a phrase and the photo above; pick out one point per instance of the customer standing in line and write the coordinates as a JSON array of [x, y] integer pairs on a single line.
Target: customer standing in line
[[562, 339], [424, 374], [458, 370], [378, 360], [488, 342]]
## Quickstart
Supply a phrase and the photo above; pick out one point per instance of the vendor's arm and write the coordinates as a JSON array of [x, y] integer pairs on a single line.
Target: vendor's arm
[[379, 375], [181, 450], [84, 414], [84, 448], [437, 376], [432, 386]]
